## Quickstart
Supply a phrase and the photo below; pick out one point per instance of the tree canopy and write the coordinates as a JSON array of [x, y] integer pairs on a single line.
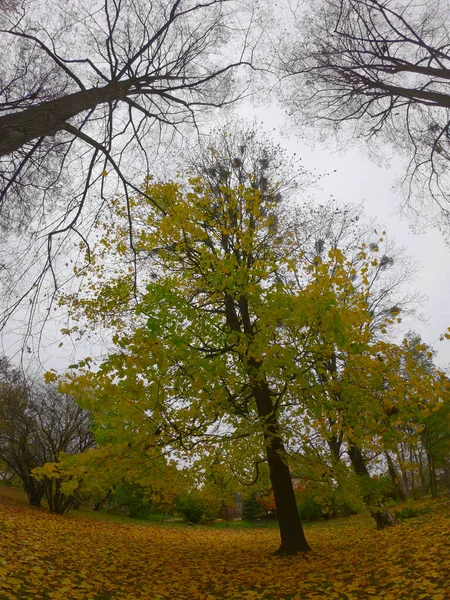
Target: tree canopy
[[91, 95], [380, 70], [232, 335]]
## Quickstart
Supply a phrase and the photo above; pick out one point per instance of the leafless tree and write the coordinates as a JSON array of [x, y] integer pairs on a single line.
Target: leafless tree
[[382, 66], [36, 424], [88, 93], [239, 151], [332, 226]]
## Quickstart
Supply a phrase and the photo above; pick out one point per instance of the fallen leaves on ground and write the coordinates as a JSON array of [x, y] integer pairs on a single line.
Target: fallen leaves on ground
[[49, 557]]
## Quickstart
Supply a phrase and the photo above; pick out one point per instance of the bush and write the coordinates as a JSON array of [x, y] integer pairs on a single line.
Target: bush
[[191, 507], [132, 497], [251, 510], [310, 510]]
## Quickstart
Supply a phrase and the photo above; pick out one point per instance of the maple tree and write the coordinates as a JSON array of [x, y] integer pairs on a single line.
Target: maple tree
[[113, 471], [233, 335], [224, 334]]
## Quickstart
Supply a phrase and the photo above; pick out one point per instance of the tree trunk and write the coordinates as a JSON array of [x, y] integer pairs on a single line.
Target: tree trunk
[[34, 489], [404, 472], [58, 502], [34, 496], [47, 118], [423, 480], [381, 515], [291, 531], [431, 463], [432, 475], [394, 477], [334, 444]]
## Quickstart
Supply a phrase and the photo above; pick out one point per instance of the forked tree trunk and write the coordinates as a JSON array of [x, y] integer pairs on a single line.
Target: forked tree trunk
[[291, 530], [34, 495], [58, 502], [34, 489]]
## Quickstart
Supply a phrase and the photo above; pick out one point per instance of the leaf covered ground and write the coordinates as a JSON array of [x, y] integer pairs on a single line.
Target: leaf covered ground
[[45, 557]]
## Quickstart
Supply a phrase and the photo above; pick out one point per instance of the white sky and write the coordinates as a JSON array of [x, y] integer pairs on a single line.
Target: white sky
[[352, 178], [359, 180]]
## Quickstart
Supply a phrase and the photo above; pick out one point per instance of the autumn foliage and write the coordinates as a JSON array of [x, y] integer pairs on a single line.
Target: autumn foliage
[[232, 336], [49, 557]]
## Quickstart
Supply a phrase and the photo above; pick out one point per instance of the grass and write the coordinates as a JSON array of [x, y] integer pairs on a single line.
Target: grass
[[114, 516]]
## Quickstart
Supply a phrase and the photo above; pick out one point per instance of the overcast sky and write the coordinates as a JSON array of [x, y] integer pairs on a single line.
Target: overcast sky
[[352, 177]]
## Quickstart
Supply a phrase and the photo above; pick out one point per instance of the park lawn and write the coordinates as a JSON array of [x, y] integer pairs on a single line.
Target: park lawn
[[45, 557]]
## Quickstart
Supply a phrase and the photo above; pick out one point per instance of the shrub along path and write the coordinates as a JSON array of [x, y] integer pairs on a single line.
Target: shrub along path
[[48, 557]]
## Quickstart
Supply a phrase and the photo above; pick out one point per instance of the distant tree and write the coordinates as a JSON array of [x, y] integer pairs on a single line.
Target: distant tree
[[133, 498], [428, 453], [18, 444], [435, 438], [251, 508], [381, 67], [319, 229], [36, 424]]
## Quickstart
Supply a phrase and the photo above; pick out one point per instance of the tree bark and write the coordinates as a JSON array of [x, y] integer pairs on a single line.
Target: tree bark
[[381, 515], [334, 444], [35, 490], [58, 502], [291, 530], [394, 477], [46, 119], [431, 463]]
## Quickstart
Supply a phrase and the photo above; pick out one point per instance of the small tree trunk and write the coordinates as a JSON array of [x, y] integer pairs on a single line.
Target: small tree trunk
[[394, 477], [403, 470], [432, 475], [34, 489], [380, 514], [423, 480], [431, 463]]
